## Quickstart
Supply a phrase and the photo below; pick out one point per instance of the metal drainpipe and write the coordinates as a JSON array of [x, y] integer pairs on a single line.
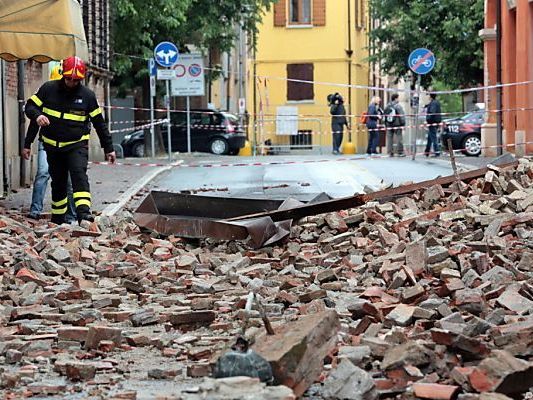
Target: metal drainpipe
[[499, 92], [22, 119], [228, 83], [254, 143], [350, 53], [3, 175], [209, 88]]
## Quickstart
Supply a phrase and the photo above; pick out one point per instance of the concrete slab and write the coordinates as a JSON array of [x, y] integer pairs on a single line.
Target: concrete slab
[[301, 177]]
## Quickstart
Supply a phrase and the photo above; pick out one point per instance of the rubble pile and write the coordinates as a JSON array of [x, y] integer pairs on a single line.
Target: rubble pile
[[428, 295]]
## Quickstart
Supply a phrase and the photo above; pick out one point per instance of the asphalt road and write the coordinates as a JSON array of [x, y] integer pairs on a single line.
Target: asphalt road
[[301, 177]]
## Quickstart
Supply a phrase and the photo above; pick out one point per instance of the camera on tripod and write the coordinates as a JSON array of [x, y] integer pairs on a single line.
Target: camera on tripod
[[335, 98]]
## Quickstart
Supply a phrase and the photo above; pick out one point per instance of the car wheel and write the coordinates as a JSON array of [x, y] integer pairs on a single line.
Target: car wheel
[[472, 145], [219, 146], [138, 149]]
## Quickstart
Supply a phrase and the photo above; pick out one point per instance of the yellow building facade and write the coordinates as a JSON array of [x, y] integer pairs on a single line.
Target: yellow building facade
[[306, 50]]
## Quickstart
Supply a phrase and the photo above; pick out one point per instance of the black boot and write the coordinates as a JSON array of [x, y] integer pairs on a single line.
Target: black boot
[[85, 217], [58, 218]]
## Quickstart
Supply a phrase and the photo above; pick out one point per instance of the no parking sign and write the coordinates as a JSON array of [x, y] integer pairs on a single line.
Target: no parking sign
[[189, 76]]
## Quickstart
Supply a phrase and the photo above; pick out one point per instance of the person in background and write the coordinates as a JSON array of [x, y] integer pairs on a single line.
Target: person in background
[[338, 120], [374, 115], [433, 118], [394, 121], [40, 183]]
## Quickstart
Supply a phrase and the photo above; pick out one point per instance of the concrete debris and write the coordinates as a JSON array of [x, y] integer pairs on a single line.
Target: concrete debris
[[348, 382], [425, 294], [234, 388]]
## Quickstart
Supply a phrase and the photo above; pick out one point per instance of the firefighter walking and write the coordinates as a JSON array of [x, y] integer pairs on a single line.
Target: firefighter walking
[[64, 110]]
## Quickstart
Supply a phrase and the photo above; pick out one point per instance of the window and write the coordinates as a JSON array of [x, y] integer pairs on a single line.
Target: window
[[300, 12], [297, 91], [178, 118], [302, 141], [198, 118]]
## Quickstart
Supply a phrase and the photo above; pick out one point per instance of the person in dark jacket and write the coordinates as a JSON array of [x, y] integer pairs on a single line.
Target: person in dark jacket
[[394, 121], [433, 118], [338, 120], [64, 110], [374, 116]]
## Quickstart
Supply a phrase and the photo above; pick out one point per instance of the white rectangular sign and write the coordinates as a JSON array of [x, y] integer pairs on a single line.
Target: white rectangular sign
[[165, 74], [189, 76], [152, 86], [287, 120]]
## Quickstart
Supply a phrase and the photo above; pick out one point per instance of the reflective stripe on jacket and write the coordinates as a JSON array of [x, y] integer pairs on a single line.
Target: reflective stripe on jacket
[[70, 113]]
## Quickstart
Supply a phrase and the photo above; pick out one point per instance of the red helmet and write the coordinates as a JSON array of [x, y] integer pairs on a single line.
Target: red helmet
[[74, 68]]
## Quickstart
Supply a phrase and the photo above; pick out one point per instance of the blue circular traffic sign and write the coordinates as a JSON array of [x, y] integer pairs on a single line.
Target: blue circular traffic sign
[[195, 70], [421, 61], [166, 54]]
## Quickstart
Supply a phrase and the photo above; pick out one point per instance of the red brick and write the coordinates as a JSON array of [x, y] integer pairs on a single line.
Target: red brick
[[295, 348], [435, 391], [76, 333]]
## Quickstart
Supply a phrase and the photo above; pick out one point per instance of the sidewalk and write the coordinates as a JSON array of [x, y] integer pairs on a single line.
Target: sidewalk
[[108, 184]]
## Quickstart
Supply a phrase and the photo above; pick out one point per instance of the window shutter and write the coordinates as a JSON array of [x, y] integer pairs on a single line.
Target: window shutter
[[280, 13], [319, 12], [297, 91]]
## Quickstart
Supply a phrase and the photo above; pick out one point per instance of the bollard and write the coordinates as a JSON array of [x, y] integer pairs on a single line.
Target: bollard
[[348, 148], [246, 150]]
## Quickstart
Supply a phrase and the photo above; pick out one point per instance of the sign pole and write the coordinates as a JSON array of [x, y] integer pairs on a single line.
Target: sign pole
[[152, 130], [168, 122], [166, 54], [152, 72], [188, 124], [417, 109], [421, 61]]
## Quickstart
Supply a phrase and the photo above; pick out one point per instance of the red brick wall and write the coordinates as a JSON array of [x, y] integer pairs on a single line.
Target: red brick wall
[[517, 61], [11, 79], [33, 75]]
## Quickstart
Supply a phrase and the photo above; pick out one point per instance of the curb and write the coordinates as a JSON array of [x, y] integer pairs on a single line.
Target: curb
[[112, 209]]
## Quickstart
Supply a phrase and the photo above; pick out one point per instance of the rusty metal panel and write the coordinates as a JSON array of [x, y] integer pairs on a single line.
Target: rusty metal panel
[[192, 216]]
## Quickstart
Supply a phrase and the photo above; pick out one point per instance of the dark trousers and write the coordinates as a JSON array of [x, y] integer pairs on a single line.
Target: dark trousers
[[432, 140], [337, 137], [373, 140], [394, 135], [60, 165]]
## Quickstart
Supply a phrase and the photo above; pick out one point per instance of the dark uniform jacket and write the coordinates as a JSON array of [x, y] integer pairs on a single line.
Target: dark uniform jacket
[[33, 129], [71, 113], [338, 119], [434, 112]]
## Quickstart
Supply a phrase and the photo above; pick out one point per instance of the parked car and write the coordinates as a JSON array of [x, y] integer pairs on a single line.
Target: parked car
[[465, 132], [212, 131]]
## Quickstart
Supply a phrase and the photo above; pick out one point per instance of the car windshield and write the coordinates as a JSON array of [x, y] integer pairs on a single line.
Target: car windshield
[[231, 118], [474, 117]]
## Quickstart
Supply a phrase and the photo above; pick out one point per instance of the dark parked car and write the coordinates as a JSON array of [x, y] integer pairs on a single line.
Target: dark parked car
[[465, 133], [212, 131]]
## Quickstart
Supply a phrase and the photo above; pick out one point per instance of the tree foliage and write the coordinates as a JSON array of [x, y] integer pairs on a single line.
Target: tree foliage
[[447, 27], [138, 25]]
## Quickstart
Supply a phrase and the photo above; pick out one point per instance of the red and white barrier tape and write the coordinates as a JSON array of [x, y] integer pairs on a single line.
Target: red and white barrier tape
[[298, 116], [289, 162], [135, 128]]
